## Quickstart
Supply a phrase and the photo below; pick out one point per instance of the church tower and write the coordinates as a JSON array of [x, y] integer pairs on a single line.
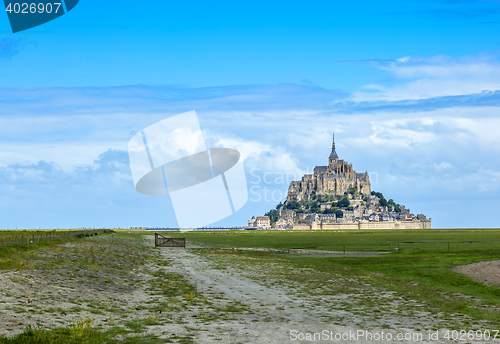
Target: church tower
[[333, 155]]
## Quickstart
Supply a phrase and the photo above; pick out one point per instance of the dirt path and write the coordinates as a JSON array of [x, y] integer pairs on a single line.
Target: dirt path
[[282, 313], [278, 313]]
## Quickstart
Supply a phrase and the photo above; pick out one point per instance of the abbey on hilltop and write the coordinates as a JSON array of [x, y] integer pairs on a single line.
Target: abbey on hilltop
[[337, 197], [338, 178]]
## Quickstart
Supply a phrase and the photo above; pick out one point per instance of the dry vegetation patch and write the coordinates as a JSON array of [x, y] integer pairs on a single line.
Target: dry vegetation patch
[[91, 278], [484, 272]]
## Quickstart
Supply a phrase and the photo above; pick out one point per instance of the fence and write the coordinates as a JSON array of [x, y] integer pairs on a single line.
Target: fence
[[369, 247], [25, 239], [431, 246], [163, 241]]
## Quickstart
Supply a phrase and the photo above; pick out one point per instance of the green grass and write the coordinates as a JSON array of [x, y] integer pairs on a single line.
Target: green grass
[[21, 236], [82, 332], [367, 240], [171, 285], [20, 256], [425, 276], [421, 270]]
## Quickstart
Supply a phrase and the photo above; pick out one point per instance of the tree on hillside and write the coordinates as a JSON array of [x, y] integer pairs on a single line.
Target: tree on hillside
[[343, 203], [274, 216], [339, 213], [382, 201], [315, 208], [378, 194], [293, 204]]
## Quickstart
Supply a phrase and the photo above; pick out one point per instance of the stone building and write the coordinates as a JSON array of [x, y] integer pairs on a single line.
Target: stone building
[[312, 203], [260, 221], [335, 179]]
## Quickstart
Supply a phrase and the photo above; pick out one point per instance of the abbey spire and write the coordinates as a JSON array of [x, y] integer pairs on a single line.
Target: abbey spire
[[333, 154]]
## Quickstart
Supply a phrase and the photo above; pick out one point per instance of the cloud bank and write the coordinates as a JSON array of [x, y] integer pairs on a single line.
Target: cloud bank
[[429, 137]]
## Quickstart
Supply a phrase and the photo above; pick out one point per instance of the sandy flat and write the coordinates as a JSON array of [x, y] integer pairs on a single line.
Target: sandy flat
[[485, 272]]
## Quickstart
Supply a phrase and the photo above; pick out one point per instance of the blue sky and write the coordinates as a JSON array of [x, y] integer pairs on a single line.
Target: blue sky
[[412, 89]]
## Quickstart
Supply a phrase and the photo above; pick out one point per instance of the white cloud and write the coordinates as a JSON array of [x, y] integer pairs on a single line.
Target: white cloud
[[442, 153], [264, 157], [438, 76]]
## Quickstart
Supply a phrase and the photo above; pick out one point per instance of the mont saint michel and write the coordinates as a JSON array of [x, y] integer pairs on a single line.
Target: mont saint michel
[[335, 196]]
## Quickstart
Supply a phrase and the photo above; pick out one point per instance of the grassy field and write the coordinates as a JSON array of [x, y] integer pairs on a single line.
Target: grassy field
[[87, 264], [387, 240], [421, 269], [24, 236], [416, 265]]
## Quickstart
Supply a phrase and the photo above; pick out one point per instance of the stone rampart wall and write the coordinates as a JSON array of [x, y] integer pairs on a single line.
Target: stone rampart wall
[[367, 225]]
